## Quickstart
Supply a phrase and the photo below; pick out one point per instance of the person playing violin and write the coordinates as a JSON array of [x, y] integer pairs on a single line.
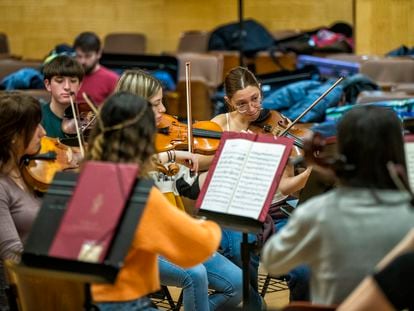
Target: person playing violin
[[124, 133], [217, 272], [244, 98], [62, 77], [342, 234], [20, 134]]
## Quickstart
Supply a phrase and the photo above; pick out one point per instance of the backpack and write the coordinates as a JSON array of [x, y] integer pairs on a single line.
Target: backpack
[[255, 38]]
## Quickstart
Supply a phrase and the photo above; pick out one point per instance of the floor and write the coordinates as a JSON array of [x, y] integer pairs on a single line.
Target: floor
[[276, 296]]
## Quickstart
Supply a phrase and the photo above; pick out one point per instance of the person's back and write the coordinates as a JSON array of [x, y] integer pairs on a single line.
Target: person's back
[[347, 232], [342, 234], [124, 133]]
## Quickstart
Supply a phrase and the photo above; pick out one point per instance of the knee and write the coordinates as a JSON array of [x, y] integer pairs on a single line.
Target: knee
[[196, 275]]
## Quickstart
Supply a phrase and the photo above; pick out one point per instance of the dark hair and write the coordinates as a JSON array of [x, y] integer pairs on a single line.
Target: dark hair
[[88, 42], [237, 79], [369, 137], [63, 65], [19, 117], [124, 132]]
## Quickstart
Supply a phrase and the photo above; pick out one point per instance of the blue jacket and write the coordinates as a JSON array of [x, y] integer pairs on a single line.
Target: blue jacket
[[294, 98]]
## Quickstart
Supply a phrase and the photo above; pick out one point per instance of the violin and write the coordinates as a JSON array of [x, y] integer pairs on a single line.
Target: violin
[[53, 156], [174, 135], [274, 123], [322, 154], [86, 120]]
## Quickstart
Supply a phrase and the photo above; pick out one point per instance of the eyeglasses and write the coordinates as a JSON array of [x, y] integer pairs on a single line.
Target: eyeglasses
[[244, 107]]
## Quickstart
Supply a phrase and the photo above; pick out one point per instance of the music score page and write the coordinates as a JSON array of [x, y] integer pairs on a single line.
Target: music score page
[[243, 177]]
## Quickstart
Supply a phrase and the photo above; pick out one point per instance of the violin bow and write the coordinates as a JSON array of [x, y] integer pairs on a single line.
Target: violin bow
[[311, 106], [75, 116], [92, 106], [190, 137]]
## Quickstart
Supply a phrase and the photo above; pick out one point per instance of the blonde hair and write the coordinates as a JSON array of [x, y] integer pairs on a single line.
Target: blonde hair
[[138, 82]]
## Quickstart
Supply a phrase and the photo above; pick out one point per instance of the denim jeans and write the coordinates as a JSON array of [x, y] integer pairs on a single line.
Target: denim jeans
[[297, 279], [217, 273], [231, 248], [141, 304]]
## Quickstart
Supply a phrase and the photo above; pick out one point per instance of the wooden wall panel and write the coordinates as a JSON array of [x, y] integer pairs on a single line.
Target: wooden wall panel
[[35, 27], [383, 25]]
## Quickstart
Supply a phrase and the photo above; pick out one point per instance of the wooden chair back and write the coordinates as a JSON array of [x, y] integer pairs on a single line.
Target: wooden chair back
[[37, 290]]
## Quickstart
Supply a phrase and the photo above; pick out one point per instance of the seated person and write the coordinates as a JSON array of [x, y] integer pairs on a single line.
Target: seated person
[[99, 82], [125, 133], [20, 134], [340, 234], [62, 77]]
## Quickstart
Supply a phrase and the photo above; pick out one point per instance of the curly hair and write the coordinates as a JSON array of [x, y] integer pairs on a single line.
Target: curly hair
[[124, 132]]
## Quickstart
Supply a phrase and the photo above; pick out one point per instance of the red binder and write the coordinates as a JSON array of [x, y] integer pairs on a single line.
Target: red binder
[[94, 211], [244, 174]]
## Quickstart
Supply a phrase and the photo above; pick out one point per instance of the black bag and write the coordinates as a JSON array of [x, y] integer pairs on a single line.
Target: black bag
[[255, 38]]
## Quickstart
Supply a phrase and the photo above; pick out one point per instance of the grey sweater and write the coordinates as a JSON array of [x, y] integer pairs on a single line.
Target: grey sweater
[[341, 236], [18, 210]]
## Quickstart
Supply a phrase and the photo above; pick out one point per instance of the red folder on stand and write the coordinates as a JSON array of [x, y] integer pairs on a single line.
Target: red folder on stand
[[94, 211], [244, 175]]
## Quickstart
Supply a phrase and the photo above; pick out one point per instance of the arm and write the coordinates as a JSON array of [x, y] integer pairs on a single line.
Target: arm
[[290, 183], [295, 244], [367, 296], [10, 244], [175, 235], [406, 245]]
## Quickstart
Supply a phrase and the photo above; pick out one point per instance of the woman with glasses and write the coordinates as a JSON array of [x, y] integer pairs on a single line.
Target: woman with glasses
[[244, 98]]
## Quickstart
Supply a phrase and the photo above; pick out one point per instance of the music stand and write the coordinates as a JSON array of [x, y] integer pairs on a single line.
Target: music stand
[[246, 226]]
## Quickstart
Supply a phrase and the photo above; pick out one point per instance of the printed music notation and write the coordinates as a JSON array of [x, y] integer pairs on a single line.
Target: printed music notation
[[245, 175]]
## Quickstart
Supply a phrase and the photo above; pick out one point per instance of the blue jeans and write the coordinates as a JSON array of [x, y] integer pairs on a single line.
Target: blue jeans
[[217, 273], [231, 248], [141, 304], [298, 278]]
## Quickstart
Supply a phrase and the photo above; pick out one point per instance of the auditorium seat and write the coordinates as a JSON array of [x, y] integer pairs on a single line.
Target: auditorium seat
[[37, 290], [193, 41], [125, 43], [4, 44]]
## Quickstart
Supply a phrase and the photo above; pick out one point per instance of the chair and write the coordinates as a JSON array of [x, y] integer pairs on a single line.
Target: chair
[[4, 44], [271, 284], [39, 289], [193, 41], [125, 43], [308, 306], [163, 298]]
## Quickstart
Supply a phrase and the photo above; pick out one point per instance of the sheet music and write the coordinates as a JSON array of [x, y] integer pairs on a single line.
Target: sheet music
[[409, 158], [243, 177]]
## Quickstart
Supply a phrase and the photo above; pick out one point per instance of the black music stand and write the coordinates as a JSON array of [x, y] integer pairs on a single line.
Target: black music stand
[[246, 226]]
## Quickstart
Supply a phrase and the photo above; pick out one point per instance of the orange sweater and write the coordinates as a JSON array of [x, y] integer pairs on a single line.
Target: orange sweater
[[164, 230]]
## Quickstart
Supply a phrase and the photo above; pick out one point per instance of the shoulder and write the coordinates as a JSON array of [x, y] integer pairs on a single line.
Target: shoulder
[[45, 107], [107, 72], [5, 188], [221, 120]]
